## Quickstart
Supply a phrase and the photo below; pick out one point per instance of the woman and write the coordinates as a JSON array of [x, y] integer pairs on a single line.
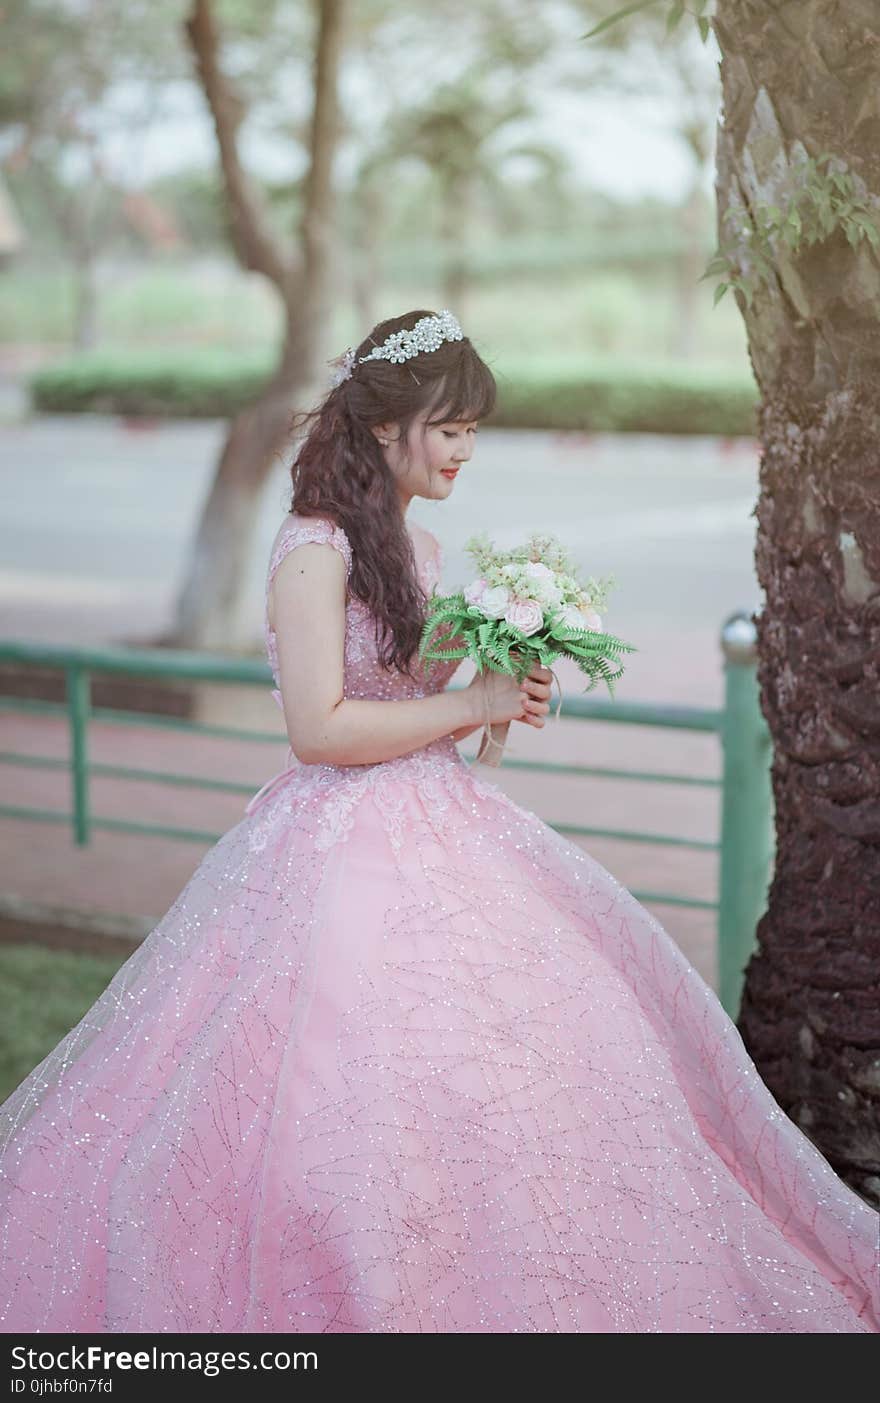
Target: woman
[[400, 1057]]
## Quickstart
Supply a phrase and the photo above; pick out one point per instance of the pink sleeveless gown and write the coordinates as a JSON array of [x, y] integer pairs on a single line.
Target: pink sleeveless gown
[[401, 1058]]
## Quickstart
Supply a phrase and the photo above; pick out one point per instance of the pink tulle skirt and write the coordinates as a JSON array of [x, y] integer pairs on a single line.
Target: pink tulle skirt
[[401, 1058]]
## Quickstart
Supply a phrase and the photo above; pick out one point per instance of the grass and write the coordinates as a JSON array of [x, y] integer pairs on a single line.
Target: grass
[[580, 312], [45, 993], [141, 304]]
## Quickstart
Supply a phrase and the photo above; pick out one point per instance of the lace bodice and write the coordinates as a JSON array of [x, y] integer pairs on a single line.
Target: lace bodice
[[364, 675], [332, 794]]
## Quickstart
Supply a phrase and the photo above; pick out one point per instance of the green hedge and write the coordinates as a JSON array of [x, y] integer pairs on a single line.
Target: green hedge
[[192, 385], [600, 395], [613, 395]]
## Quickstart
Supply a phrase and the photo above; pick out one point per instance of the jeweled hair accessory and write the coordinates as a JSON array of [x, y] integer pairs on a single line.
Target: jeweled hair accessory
[[342, 367], [428, 334]]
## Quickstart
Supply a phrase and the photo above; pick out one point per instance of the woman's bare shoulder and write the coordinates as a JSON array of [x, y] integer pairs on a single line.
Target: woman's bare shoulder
[[296, 530]]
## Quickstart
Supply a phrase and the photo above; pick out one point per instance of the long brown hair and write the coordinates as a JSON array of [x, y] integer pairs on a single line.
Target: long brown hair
[[340, 470]]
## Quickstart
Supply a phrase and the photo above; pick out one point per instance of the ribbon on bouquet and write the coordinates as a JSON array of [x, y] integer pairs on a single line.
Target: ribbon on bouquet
[[494, 734]]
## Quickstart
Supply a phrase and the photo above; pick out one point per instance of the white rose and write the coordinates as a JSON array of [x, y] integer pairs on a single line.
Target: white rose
[[493, 602], [546, 591], [572, 616], [590, 618]]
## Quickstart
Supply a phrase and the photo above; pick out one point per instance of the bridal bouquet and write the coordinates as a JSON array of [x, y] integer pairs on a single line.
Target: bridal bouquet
[[525, 605]]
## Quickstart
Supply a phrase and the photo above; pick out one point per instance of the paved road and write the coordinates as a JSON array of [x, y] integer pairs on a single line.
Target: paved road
[[98, 517]]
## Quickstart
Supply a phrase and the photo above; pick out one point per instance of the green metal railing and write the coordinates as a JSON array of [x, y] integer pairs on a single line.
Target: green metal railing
[[745, 843]]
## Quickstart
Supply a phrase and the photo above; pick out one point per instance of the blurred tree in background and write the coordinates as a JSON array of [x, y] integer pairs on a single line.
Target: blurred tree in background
[[644, 61], [450, 144], [68, 72], [299, 266], [357, 158], [530, 214]]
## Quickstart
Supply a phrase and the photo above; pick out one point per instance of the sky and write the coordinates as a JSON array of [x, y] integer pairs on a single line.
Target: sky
[[625, 149]]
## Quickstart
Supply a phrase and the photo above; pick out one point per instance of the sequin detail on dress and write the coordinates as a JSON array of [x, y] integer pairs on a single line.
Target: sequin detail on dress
[[401, 1058], [336, 791]]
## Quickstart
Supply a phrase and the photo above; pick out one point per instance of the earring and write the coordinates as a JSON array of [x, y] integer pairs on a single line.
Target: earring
[[384, 442]]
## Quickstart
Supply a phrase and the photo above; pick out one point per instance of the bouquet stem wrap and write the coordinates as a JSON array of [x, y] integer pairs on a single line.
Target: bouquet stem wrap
[[492, 742], [494, 735]]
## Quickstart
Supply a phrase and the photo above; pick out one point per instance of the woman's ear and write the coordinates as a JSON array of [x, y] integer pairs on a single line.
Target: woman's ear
[[383, 433]]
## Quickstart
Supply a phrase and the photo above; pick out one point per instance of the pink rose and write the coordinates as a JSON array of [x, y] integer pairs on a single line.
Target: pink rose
[[524, 614], [473, 592]]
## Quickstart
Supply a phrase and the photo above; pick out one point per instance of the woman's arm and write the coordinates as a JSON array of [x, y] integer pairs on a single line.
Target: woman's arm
[[464, 731], [323, 726]]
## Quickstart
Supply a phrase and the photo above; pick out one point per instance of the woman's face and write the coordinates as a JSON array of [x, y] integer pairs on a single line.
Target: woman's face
[[436, 452]]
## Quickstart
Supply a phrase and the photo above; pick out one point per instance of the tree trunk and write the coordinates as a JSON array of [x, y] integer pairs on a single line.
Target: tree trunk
[[810, 1014], [370, 210], [207, 615], [455, 222], [85, 322], [208, 609]]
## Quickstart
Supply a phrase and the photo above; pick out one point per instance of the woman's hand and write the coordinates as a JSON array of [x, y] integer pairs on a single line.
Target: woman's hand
[[508, 700], [535, 689]]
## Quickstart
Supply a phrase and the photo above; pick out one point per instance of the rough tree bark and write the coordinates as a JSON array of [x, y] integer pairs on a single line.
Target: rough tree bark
[[302, 275], [798, 77]]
